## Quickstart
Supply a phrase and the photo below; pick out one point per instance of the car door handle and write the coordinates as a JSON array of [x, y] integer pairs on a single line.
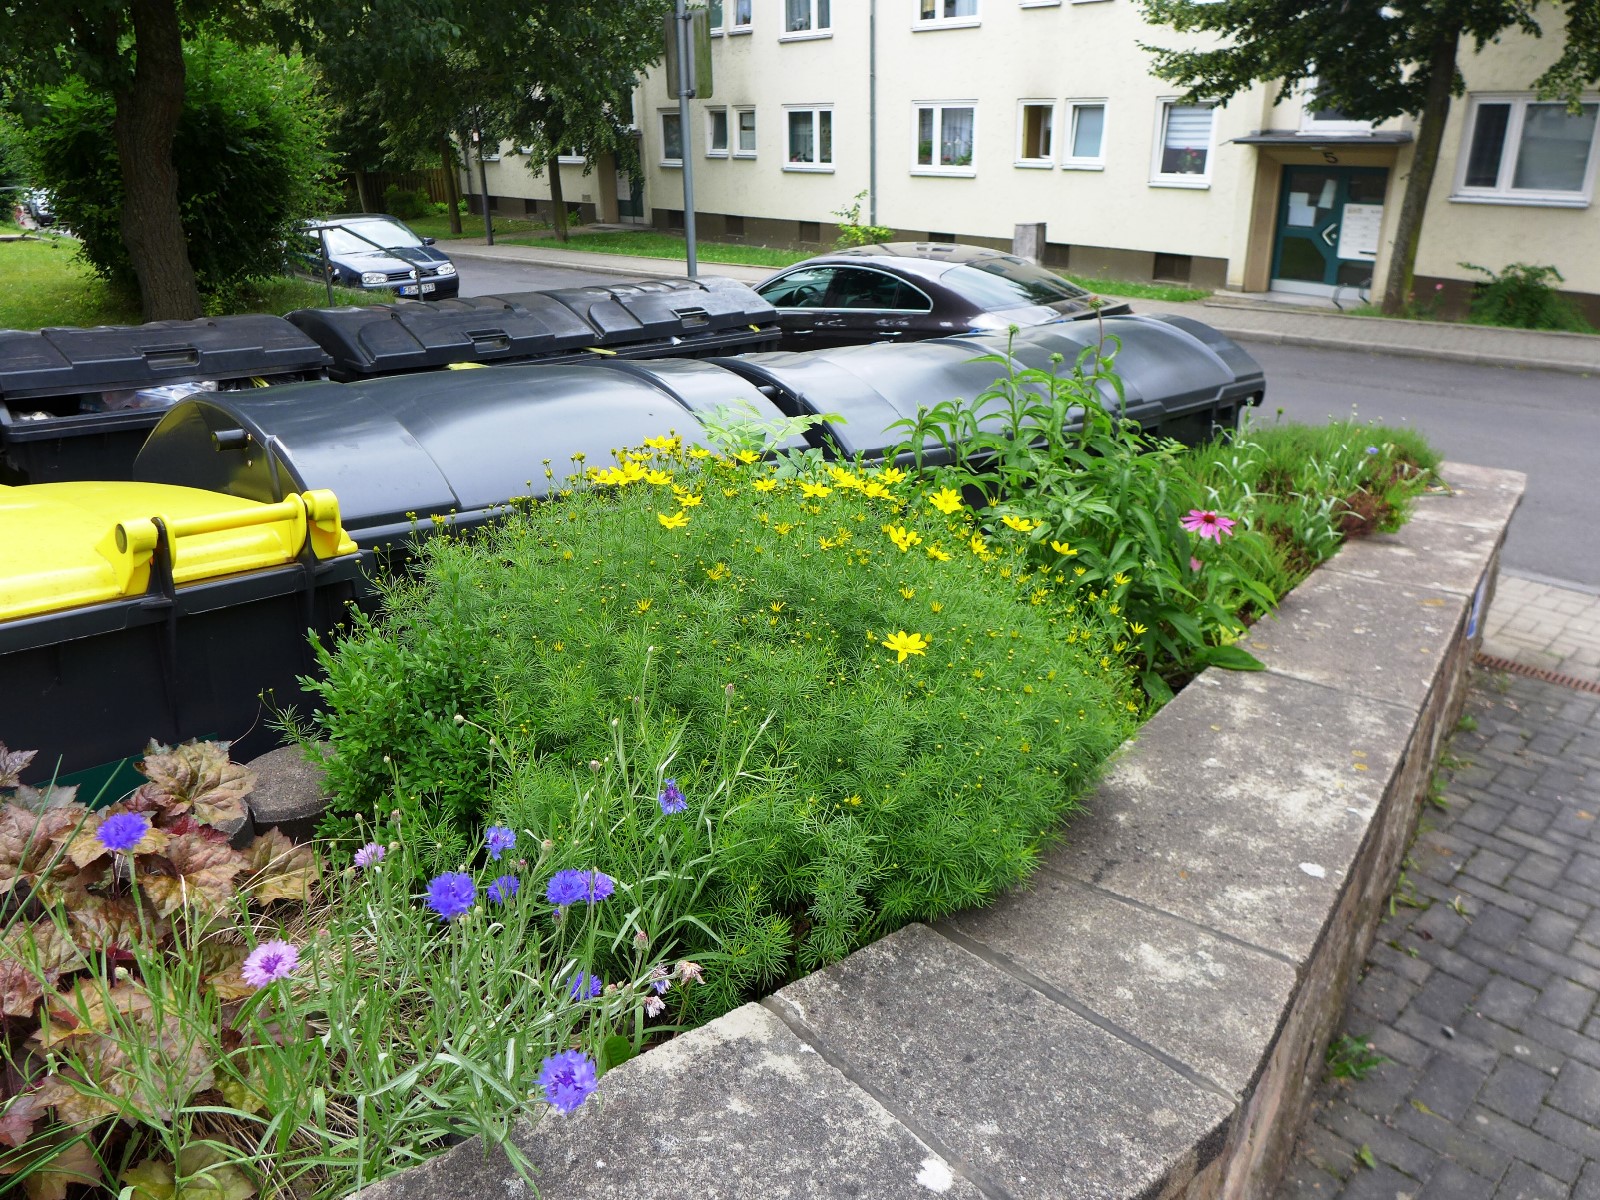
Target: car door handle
[[890, 333]]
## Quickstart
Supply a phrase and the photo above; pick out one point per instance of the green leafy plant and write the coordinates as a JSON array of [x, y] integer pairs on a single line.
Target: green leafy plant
[[1523, 296], [852, 230], [1352, 1058]]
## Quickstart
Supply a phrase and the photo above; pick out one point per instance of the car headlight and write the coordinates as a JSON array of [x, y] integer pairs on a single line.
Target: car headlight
[[447, 268], [373, 278]]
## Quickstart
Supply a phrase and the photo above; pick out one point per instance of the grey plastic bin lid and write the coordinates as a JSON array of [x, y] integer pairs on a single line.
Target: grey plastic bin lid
[[455, 444]]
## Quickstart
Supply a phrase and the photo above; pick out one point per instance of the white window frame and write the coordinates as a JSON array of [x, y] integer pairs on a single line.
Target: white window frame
[[1503, 192], [661, 127], [1069, 126], [711, 17], [1039, 3], [1311, 127], [712, 112], [572, 160], [1196, 181], [816, 111], [734, 131], [731, 7], [1022, 160], [918, 21], [939, 106], [813, 31]]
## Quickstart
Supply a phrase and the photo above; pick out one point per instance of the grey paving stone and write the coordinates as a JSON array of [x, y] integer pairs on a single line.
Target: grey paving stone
[[1448, 1086], [1522, 1182], [1506, 1000], [1388, 1144], [1040, 1101], [1490, 867], [1444, 998], [755, 1114], [1525, 1145], [1391, 1043], [1588, 1185], [1382, 1183], [1552, 930], [1254, 846], [1150, 976], [1382, 995], [1578, 1136], [1468, 1149], [1306, 1181], [1450, 1181], [1389, 639], [1516, 1090], [1540, 869], [1577, 1092], [1384, 1090], [1430, 1031], [1566, 1003]]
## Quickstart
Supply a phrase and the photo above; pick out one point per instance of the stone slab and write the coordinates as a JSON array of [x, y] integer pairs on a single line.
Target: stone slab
[[1387, 643], [739, 1108], [1445, 556], [1043, 1104], [1145, 972], [1242, 806], [1482, 497], [290, 793]]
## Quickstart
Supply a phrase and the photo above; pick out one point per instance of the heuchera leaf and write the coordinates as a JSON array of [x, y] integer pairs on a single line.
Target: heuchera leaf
[[281, 870], [18, 1119], [12, 764], [32, 958], [86, 847], [196, 775], [53, 1165], [28, 841], [151, 1179], [40, 800], [208, 1175], [103, 922], [171, 1064], [194, 870], [87, 1010], [75, 1105]]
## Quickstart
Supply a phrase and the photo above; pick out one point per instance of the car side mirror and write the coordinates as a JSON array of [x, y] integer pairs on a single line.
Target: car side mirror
[[428, 241]]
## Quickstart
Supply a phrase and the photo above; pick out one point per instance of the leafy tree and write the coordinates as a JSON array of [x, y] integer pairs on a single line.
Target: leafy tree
[[1372, 61], [250, 142]]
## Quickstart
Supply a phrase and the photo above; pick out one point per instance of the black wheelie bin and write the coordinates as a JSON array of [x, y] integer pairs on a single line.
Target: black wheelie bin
[[78, 403]]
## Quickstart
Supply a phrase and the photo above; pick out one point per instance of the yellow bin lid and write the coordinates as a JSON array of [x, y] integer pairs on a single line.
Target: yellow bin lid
[[65, 545]]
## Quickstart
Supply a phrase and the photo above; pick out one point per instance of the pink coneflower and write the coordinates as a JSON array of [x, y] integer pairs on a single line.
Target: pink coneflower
[[1195, 564], [1207, 524], [268, 962]]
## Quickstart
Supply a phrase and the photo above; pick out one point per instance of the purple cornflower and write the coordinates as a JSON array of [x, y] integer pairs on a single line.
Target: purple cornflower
[[499, 839], [370, 855], [123, 831], [654, 1006], [671, 799], [268, 962], [451, 894], [568, 1079], [586, 985], [1372, 449], [502, 889], [659, 980], [568, 887]]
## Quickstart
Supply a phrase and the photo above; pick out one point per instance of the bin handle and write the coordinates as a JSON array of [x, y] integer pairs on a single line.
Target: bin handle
[[130, 545], [170, 358]]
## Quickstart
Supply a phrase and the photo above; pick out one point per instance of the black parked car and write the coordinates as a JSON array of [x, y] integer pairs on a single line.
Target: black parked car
[[377, 253], [908, 291]]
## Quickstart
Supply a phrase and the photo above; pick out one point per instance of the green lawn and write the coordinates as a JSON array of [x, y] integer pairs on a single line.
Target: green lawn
[[46, 284], [647, 244], [472, 227], [1127, 289]]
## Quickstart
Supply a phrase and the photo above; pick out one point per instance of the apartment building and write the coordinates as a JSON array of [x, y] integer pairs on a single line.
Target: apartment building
[[963, 119]]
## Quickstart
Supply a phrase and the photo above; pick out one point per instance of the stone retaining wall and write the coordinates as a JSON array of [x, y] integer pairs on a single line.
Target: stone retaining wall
[[1147, 1019]]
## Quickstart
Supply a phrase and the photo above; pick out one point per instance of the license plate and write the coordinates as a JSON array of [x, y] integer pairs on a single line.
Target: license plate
[[411, 289]]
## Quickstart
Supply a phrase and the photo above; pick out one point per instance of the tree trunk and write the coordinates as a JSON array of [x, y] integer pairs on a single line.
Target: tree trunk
[[363, 193], [1424, 162], [557, 201], [452, 184], [146, 123]]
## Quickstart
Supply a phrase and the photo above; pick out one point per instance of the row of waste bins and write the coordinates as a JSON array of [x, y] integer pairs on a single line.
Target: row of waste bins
[[166, 602], [78, 403]]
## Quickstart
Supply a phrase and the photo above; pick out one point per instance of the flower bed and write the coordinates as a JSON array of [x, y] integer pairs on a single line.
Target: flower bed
[[719, 719]]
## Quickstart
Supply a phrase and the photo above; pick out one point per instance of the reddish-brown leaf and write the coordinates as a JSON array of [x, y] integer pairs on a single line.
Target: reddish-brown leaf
[[75, 1104], [280, 869], [32, 958], [28, 841], [103, 922], [12, 764], [19, 1118], [53, 1164], [86, 847], [197, 775], [194, 870], [87, 1009]]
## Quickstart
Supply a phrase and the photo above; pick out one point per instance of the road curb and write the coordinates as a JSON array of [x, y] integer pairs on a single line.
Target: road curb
[[1476, 359]]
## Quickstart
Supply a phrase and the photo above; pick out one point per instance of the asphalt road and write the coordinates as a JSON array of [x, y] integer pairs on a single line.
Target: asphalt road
[[1545, 423], [484, 277]]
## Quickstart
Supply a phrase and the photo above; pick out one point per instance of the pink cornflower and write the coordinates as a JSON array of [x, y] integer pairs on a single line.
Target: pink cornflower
[[1207, 524], [269, 962], [654, 1006], [688, 970], [369, 855]]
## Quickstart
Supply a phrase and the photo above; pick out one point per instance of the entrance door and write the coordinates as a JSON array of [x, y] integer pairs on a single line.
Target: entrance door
[[630, 199], [1328, 223]]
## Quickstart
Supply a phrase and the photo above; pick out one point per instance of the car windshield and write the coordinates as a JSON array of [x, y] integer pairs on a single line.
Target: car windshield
[[365, 237], [1009, 283]]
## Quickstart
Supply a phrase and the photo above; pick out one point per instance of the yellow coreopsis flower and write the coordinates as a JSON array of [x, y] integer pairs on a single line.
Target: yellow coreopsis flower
[[676, 521], [936, 554], [643, 605], [686, 499], [892, 475], [668, 444], [658, 477], [629, 472], [718, 572], [747, 456], [908, 592], [1136, 629], [815, 491], [843, 478], [904, 644], [699, 452], [946, 500], [1020, 524], [873, 490], [903, 537], [978, 547], [764, 485], [1063, 549], [1120, 579]]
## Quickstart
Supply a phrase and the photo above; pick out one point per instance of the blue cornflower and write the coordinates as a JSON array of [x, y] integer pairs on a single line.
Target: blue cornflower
[[568, 1079], [499, 839], [451, 894], [671, 799], [123, 831], [502, 889], [586, 985], [568, 887], [1372, 449]]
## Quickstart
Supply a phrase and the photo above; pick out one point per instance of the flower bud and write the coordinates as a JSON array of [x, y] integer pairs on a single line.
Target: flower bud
[[547, 845], [594, 765], [460, 720], [728, 691], [641, 939]]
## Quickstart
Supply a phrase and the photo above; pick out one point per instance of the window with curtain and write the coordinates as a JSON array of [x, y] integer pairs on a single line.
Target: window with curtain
[[747, 133], [947, 10], [1086, 134], [671, 138], [1186, 140], [810, 137], [741, 14], [1519, 149], [716, 132], [807, 16], [945, 136]]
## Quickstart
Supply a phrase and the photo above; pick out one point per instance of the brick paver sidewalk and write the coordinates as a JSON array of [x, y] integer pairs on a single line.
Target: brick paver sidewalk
[[1484, 1001]]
